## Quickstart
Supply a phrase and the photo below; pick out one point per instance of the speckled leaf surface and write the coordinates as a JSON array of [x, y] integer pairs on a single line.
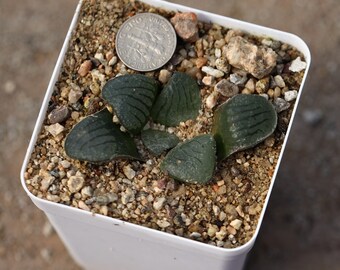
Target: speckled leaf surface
[[157, 141], [97, 139], [179, 101], [131, 97], [242, 122], [192, 161]]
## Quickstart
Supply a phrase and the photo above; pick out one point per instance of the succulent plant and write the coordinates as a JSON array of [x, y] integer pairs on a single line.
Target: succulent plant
[[242, 122], [131, 97], [157, 141], [97, 139], [179, 101], [192, 161]]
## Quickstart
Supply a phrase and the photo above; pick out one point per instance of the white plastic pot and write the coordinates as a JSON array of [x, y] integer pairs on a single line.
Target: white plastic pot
[[100, 242]]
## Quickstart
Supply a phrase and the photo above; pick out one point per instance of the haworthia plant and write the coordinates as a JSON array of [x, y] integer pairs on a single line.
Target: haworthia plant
[[97, 139], [131, 97], [192, 161], [179, 101], [157, 141], [242, 122]]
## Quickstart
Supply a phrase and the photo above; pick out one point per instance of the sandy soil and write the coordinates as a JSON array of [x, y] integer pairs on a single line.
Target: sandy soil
[[301, 229]]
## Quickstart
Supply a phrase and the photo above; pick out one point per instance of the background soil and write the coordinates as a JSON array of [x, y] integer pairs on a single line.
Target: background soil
[[301, 229]]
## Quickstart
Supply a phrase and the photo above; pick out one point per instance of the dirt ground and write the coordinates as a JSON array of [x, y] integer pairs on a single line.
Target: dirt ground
[[301, 228]]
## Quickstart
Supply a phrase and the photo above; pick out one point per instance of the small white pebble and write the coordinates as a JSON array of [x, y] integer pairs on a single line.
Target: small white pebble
[[75, 183], [236, 223], [221, 234], [195, 235], [279, 81], [129, 172], [104, 210], [163, 223], [211, 100], [97, 75], [218, 53], [212, 229], [87, 191], [65, 164], [122, 129], [237, 78], [100, 57], [290, 95], [55, 129], [216, 210], [164, 76], [83, 206], [113, 61], [213, 72], [297, 65], [222, 216], [55, 160], [158, 203]]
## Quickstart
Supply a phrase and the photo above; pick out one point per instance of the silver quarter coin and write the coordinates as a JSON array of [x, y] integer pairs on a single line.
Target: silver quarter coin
[[146, 42]]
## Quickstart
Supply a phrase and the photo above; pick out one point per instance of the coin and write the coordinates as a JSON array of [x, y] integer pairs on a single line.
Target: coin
[[146, 42]]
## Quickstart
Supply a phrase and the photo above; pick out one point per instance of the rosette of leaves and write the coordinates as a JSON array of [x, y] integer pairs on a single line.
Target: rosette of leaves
[[131, 97], [242, 122], [179, 101]]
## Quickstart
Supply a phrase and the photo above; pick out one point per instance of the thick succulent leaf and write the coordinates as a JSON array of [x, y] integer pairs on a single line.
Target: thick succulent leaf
[[242, 122], [97, 139], [157, 141], [179, 101], [192, 161], [132, 97]]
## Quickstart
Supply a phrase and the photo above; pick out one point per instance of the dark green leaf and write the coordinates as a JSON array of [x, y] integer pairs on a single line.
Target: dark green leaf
[[97, 139], [179, 101], [192, 161], [132, 97], [242, 122], [157, 141]]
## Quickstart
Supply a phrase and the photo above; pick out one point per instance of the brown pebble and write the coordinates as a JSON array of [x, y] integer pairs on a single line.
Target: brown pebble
[[231, 230], [59, 115], [186, 26], [109, 55], [85, 68], [250, 85], [74, 96], [201, 61], [208, 80], [226, 88]]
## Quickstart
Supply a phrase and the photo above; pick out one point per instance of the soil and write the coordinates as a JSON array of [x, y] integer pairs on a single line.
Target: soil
[[301, 221]]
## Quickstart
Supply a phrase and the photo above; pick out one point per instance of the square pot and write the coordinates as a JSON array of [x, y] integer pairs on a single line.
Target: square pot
[[100, 242]]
